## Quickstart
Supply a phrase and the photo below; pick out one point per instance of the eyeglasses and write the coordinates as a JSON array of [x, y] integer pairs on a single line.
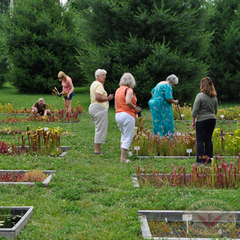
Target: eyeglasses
[[61, 78]]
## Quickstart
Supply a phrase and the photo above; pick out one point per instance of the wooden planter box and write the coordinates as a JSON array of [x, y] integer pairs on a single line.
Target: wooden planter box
[[15, 230], [167, 216], [45, 182]]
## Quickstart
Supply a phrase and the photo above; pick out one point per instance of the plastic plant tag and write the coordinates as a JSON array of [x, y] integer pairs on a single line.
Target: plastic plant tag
[[182, 116], [45, 129], [189, 151], [136, 148], [221, 116], [187, 217]]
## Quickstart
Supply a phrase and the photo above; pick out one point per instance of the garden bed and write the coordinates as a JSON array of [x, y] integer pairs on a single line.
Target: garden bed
[[13, 230], [63, 148], [45, 182], [175, 224]]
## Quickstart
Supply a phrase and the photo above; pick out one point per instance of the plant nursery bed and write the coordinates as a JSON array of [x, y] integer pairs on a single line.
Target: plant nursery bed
[[45, 182], [64, 149], [188, 224], [70, 122], [13, 219], [179, 157]]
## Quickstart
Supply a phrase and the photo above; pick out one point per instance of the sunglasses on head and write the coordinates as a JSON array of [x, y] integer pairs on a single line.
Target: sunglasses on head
[[208, 78]]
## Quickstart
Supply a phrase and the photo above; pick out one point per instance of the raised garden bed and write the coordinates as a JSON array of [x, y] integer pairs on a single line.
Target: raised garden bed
[[214, 174], [10, 227], [45, 182], [173, 224], [64, 150]]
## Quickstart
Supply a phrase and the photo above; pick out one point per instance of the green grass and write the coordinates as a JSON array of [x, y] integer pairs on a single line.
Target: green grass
[[90, 197]]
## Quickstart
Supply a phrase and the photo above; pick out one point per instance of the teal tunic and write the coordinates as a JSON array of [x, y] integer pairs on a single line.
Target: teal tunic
[[161, 110]]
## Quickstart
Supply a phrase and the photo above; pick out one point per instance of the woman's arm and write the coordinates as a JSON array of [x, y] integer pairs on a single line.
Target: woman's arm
[[193, 123], [129, 97], [100, 98], [72, 88], [171, 100]]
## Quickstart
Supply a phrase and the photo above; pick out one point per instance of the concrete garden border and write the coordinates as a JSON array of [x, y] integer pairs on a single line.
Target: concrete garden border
[[45, 182], [64, 148], [166, 215], [136, 182], [14, 231]]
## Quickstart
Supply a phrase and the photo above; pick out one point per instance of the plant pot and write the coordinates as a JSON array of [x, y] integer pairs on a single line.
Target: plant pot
[[45, 182], [12, 232]]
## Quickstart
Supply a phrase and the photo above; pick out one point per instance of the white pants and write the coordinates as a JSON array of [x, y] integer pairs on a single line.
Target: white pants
[[99, 115], [126, 124]]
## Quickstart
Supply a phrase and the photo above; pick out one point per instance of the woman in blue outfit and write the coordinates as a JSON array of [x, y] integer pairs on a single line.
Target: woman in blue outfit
[[161, 106]]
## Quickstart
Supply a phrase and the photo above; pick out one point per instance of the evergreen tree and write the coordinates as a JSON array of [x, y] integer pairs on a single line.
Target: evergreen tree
[[3, 50], [4, 4], [225, 49], [42, 41], [151, 39]]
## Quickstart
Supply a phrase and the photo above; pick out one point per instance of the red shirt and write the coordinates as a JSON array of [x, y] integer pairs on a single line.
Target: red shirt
[[120, 101]]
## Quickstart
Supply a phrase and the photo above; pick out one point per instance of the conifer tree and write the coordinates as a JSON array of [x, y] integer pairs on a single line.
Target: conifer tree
[[42, 41], [225, 49], [149, 38]]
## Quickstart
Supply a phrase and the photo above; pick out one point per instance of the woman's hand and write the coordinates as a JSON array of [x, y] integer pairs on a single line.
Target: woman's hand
[[137, 109], [193, 123], [171, 100], [110, 97]]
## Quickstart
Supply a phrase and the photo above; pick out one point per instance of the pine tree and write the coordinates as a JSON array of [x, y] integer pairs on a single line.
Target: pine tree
[[151, 39], [42, 41], [225, 49]]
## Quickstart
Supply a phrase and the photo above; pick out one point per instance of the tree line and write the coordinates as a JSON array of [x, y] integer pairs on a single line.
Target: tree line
[[149, 38]]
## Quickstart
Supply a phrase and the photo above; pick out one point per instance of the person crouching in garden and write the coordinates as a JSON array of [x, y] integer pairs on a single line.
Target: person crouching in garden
[[204, 112], [40, 108], [161, 106], [126, 110], [67, 91], [98, 108]]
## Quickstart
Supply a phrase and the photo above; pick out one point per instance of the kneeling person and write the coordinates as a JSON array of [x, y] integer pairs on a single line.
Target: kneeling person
[[41, 108]]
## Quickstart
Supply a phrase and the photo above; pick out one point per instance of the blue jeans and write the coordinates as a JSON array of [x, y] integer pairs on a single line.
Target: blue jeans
[[204, 131]]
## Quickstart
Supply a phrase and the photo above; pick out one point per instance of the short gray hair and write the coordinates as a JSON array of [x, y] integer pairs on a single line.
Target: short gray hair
[[99, 71], [127, 79], [172, 78], [40, 100]]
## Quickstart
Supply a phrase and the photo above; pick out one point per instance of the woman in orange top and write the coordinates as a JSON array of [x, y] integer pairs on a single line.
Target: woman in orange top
[[68, 89], [126, 110]]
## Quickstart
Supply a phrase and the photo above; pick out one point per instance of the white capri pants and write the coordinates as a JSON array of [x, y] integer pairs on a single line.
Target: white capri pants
[[126, 124], [99, 116]]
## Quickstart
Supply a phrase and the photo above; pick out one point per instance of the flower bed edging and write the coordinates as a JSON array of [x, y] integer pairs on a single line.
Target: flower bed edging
[[169, 215], [14, 231], [45, 182], [64, 149], [177, 157]]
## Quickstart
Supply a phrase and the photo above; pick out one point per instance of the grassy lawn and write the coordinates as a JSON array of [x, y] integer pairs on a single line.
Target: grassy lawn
[[90, 197]]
